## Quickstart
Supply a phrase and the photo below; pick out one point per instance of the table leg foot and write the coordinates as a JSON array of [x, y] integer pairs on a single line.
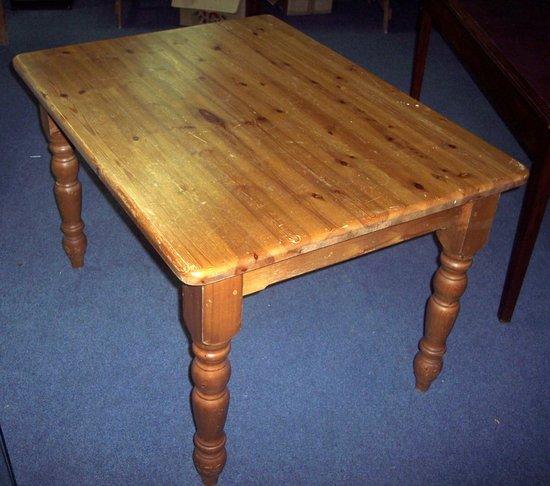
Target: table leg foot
[[68, 192]]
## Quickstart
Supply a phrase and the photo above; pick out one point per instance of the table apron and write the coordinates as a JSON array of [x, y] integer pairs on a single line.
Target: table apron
[[259, 279]]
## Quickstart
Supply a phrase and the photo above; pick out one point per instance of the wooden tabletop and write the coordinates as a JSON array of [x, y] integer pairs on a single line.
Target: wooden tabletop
[[238, 144]]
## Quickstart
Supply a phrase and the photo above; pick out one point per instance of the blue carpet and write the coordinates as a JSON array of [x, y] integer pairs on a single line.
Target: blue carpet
[[94, 363]]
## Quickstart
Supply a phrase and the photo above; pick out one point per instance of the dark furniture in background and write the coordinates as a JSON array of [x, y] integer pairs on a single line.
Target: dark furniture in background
[[504, 45], [118, 13], [7, 478], [16, 4], [41, 3], [3, 28]]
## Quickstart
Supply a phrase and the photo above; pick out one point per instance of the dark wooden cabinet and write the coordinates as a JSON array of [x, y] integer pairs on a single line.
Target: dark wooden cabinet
[[503, 45]]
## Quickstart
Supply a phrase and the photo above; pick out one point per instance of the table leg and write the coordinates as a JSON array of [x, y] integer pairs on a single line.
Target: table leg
[[67, 190], [212, 314], [421, 50], [459, 243]]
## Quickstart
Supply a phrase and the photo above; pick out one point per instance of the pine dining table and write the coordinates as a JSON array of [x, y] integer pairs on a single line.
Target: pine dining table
[[247, 154]]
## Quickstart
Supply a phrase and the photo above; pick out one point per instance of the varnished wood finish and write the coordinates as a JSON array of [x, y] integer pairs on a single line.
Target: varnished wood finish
[[459, 243], [449, 284], [247, 154], [240, 144], [210, 401], [67, 190], [521, 104], [212, 313], [260, 278]]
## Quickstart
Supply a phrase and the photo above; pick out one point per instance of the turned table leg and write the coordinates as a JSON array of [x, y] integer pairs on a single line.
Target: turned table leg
[[459, 242], [67, 190], [212, 314]]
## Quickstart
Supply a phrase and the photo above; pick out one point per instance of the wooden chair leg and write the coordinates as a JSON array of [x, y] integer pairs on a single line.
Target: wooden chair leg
[[532, 213], [212, 314], [253, 8], [3, 26], [421, 51], [387, 15], [67, 190], [459, 244], [118, 13]]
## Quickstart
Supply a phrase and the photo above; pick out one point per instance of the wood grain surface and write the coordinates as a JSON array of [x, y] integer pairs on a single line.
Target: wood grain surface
[[236, 145]]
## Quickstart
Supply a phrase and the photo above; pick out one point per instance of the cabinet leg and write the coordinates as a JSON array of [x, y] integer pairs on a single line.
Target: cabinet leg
[[421, 51], [532, 214]]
